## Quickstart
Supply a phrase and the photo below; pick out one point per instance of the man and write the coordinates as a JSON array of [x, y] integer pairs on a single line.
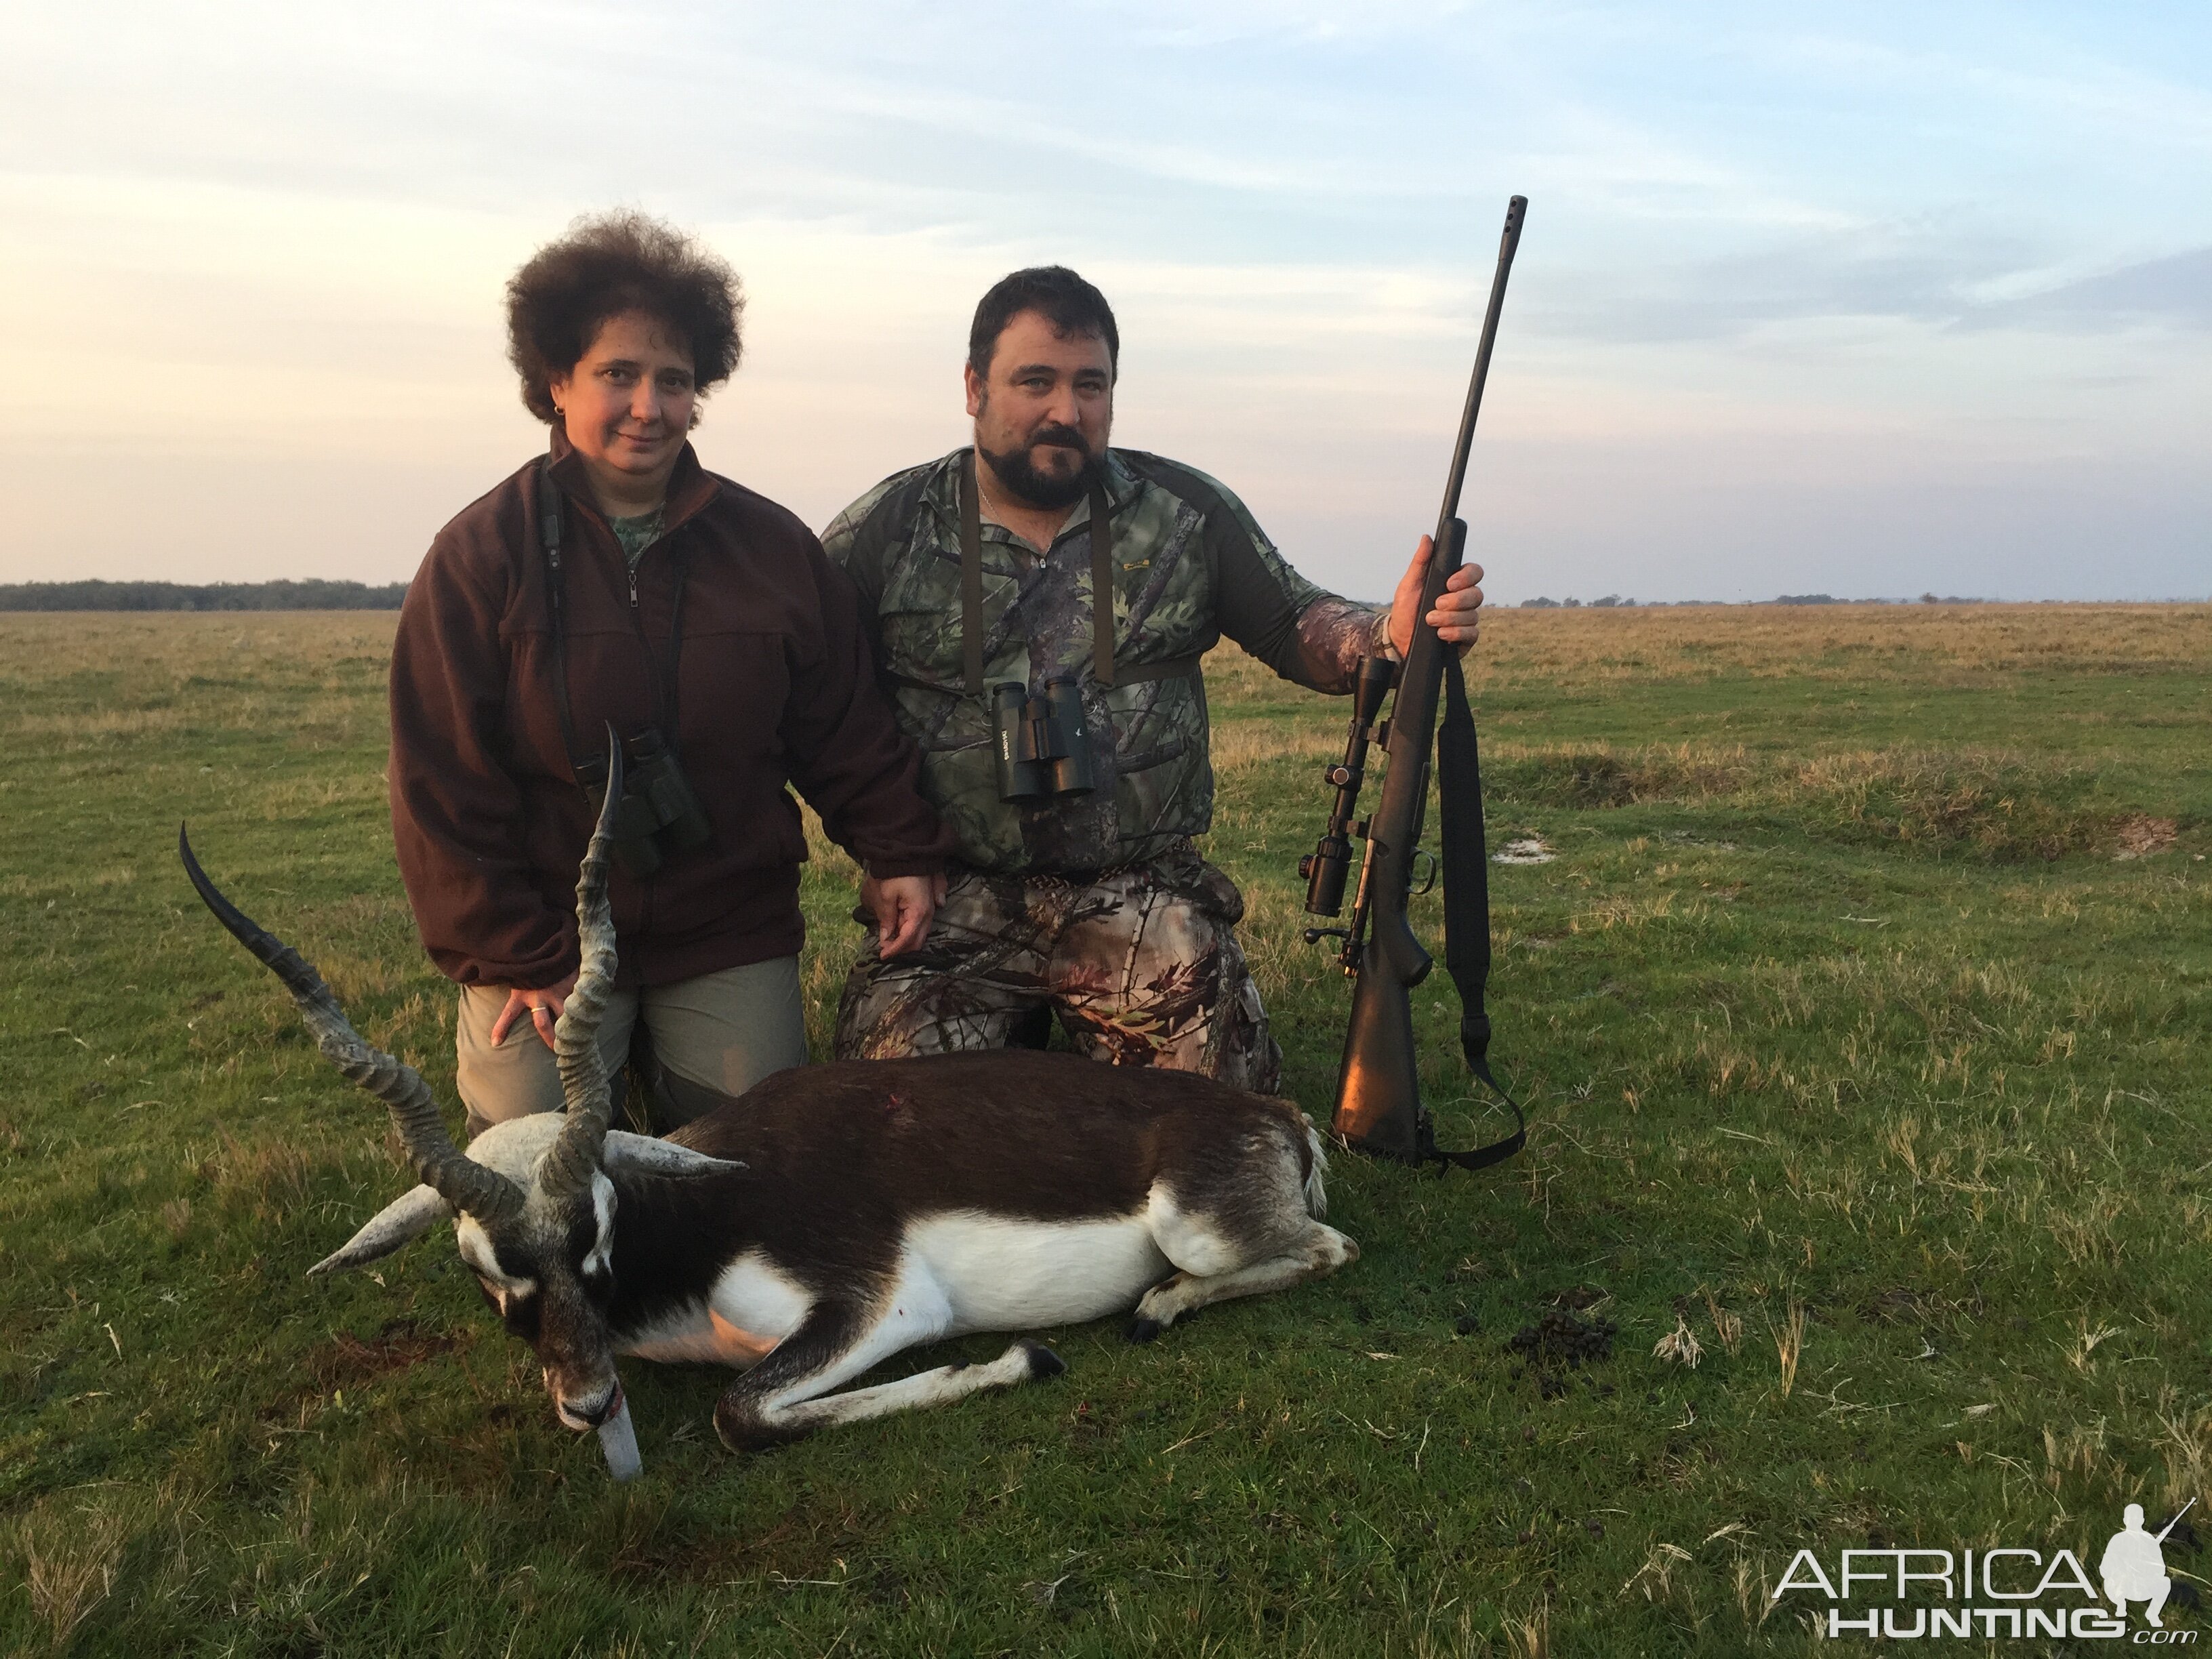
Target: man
[[979, 570], [2134, 1568]]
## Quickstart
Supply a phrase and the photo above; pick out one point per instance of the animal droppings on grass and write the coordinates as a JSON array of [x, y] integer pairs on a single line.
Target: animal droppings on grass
[[1565, 1339]]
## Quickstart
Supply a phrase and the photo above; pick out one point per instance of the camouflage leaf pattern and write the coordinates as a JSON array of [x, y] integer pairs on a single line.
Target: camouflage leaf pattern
[[901, 543], [1142, 966]]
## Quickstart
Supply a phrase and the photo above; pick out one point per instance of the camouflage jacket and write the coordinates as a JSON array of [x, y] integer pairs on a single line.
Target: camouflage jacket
[[1190, 565]]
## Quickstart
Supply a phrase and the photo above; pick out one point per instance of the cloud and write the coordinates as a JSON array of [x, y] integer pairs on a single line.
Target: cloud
[[1958, 272], [2174, 292]]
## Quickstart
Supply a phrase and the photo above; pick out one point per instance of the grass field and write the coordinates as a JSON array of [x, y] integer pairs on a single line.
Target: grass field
[[1865, 1014]]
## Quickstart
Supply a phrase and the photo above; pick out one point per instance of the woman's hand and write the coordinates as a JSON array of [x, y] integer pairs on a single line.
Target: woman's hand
[[541, 1008], [902, 907]]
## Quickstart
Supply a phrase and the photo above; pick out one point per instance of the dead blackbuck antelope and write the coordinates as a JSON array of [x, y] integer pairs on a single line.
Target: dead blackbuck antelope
[[835, 1214]]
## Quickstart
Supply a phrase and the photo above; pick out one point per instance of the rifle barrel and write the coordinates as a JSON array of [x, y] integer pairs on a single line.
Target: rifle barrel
[[1507, 245], [2175, 1521]]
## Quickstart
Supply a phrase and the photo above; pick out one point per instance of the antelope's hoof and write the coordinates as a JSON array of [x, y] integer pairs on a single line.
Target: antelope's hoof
[[1142, 1329], [1043, 1362]]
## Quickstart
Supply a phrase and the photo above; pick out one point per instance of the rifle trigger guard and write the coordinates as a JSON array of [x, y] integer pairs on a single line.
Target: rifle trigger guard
[[1423, 852]]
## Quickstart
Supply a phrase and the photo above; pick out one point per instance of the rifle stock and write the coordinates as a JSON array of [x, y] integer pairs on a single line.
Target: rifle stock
[[1378, 1089], [1378, 1097]]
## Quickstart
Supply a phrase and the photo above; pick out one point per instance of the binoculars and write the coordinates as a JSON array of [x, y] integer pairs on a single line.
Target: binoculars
[[1044, 751], [658, 813]]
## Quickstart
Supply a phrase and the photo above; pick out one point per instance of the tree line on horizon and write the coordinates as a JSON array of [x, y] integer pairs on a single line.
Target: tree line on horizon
[[1613, 601], [312, 594], [315, 593]]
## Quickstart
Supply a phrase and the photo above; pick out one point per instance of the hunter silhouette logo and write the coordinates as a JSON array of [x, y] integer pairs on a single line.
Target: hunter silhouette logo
[[1905, 1593], [2134, 1566]]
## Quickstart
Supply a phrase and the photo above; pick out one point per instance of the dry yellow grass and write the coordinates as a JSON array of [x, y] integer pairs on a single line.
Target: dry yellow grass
[[1824, 641], [41, 647]]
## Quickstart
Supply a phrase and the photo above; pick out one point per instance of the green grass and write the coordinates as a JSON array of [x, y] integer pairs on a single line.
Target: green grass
[[1837, 1012]]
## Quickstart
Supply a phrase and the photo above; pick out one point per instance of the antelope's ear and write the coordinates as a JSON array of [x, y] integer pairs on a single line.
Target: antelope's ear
[[403, 1218], [625, 1151]]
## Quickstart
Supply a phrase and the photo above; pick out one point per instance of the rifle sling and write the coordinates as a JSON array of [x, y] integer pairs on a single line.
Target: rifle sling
[[1465, 869]]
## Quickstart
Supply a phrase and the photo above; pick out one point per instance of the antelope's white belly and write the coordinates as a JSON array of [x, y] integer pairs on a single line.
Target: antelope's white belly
[[996, 1274], [958, 1273]]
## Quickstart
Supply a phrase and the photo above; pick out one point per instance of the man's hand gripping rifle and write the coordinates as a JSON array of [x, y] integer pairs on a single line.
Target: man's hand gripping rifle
[[1378, 1095]]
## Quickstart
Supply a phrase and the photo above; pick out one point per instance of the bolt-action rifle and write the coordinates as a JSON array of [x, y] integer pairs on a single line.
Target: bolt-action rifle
[[1378, 1094]]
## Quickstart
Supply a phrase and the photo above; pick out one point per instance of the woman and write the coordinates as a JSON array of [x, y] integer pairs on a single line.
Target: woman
[[615, 583]]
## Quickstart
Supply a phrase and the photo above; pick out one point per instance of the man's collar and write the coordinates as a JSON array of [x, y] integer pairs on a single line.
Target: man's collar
[[690, 486]]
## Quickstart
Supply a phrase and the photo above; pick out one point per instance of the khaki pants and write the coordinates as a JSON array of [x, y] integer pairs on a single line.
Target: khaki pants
[[716, 1035]]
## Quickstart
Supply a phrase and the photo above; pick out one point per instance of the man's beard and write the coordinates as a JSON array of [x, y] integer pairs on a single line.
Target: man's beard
[[1022, 480]]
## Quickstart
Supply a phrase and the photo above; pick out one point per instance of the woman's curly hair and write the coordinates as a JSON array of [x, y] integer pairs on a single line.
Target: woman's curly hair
[[606, 264]]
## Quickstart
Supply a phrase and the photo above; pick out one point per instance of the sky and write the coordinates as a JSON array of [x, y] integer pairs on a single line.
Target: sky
[[1866, 301]]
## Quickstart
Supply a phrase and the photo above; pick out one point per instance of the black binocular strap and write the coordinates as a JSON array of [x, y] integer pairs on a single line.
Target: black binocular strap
[[1466, 864], [550, 537], [971, 579], [971, 582]]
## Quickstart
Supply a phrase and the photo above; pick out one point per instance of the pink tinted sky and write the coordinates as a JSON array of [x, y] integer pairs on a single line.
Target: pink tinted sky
[[1881, 305]]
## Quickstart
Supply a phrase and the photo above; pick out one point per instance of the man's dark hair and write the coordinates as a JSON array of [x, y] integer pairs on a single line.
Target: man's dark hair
[[606, 264], [1071, 305]]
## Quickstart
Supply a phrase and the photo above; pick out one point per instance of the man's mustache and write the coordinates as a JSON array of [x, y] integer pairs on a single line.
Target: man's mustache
[[1064, 437]]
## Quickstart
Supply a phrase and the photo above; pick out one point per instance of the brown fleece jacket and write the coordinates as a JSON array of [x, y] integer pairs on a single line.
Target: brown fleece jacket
[[775, 688]]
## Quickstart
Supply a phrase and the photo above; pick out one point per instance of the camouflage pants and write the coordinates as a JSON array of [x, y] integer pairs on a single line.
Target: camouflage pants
[[1142, 966]]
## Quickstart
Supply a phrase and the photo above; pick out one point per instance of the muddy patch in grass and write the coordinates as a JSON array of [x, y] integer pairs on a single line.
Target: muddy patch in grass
[[347, 1361], [2141, 836]]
